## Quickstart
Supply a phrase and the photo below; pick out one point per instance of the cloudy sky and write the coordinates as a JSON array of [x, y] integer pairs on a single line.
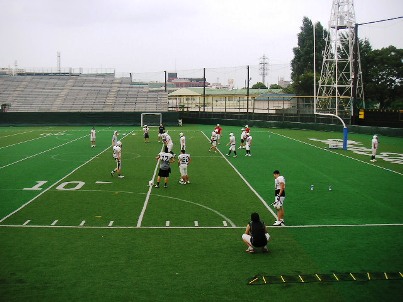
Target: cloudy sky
[[140, 36]]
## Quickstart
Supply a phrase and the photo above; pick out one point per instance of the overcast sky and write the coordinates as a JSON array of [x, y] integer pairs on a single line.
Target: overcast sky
[[155, 35]]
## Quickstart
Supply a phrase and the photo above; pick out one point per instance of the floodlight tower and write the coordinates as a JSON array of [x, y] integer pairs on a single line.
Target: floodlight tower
[[340, 83], [263, 67]]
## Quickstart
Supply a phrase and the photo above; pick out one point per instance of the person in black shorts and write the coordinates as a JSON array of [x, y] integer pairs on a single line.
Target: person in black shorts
[[165, 160], [256, 235], [161, 130]]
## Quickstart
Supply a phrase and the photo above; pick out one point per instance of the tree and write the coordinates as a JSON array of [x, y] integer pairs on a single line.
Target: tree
[[275, 86], [259, 85], [302, 63], [383, 79]]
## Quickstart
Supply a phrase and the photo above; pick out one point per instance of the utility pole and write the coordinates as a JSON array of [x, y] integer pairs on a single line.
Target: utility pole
[[247, 93], [165, 80]]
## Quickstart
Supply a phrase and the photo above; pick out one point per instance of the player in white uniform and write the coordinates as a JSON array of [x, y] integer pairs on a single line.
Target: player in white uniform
[[93, 137], [374, 147], [166, 138], [243, 137], [115, 138], [213, 141], [232, 144], [182, 141], [117, 155], [184, 160], [279, 192], [248, 144], [146, 131]]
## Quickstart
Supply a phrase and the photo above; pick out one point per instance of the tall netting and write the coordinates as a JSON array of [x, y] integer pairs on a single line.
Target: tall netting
[[151, 119]]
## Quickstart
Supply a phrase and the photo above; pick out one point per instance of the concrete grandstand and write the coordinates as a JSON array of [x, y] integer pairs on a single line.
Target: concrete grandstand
[[78, 93]]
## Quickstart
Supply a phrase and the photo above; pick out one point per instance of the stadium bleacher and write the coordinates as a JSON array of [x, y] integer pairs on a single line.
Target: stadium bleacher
[[80, 93]]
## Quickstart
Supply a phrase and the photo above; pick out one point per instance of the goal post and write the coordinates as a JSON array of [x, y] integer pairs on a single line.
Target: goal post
[[151, 119]]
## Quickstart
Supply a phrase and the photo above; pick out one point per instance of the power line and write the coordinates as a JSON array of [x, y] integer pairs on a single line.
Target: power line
[[378, 21]]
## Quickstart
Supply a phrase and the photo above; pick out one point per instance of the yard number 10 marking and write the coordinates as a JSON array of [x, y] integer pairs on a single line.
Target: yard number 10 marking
[[77, 186]]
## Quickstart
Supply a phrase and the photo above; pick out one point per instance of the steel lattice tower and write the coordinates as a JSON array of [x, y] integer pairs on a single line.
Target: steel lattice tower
[[263, 68], [338, 88]]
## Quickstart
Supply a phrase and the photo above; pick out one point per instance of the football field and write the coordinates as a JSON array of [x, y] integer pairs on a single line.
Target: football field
[[70, 231]]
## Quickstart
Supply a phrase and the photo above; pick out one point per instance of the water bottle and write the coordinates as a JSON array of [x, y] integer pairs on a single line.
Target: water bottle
[[330, 188], [311, 187]]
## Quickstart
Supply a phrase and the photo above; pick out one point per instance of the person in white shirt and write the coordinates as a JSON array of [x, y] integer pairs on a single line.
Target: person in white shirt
[[243, 137], [374, 147], [213, 141], [182, 141], [248, 144], [232, 145], [117, 155], [146, 131], [114, 138], [166, 139], [279, 192], [93, 137], [184, 160]]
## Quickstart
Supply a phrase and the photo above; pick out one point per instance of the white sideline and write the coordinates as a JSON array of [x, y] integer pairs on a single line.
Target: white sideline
[[246, 182], [58, 181]]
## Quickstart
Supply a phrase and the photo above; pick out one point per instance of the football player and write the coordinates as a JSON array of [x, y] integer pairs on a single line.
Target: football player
[[213, 141], [146, 131], [93, 137], [184, 160], [248, 144], [232, 144], [117, 155], [182, 140], [165, 160], [279, 192]]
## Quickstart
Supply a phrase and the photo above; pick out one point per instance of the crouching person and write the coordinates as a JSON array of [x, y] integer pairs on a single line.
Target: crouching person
[[256, 235]]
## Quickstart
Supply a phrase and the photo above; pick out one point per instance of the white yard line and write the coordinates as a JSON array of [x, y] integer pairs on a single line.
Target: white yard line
[[28, 157], [55, 183], [143, 210], [25, 225], [16, 134], [246, 182]]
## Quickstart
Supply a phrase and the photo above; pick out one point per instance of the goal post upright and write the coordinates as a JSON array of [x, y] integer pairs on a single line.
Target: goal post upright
[[315, 99]]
